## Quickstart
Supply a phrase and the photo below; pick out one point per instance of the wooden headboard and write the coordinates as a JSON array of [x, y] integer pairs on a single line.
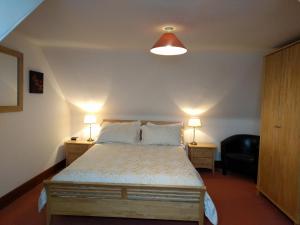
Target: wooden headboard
[[143, 122]]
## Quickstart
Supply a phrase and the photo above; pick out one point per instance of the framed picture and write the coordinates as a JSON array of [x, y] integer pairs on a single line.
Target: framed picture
[[36, 82]]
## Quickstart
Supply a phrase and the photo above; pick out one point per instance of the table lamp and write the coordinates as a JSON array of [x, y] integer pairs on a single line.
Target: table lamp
[[194, 122], [90, 119]]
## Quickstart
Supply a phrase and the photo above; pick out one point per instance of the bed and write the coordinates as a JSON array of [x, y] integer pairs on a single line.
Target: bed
[[130, 181]]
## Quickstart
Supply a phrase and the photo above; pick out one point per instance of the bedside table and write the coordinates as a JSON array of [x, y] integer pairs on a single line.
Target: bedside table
[[202, 155], [74, 149]]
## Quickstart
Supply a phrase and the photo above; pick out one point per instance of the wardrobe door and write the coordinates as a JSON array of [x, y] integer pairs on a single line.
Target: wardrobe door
[[268, 181], [289, 134]]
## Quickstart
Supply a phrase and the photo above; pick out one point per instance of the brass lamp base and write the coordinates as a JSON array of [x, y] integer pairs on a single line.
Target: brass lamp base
[[90, 139], [194, 143]]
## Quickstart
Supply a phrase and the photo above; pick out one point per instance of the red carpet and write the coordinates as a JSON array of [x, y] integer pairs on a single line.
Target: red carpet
[[235, 198]]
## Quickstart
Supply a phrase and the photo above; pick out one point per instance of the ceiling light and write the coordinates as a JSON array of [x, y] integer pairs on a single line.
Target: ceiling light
[[168, 44]]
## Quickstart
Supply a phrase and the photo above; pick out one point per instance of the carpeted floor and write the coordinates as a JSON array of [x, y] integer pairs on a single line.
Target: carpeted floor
[[235, 198]]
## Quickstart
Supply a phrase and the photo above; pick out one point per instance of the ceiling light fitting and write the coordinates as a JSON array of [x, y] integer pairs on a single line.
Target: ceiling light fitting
[[168, 44]]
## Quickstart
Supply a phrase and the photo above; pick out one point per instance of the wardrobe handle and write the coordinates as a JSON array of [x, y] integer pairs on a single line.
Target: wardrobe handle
[[277, 126]]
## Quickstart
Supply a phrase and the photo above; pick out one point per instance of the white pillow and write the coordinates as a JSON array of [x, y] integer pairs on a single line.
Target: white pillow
[[120, 133], [153, 134]]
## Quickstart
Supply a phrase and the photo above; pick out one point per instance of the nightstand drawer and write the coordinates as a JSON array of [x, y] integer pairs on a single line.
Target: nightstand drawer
[[71, 157], [75, 149], [202, 162], [78, 148], [205, 153], [202, 155]]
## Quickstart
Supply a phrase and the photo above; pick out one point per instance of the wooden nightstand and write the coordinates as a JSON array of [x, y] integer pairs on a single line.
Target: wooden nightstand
[[74, 149], [202, 155]]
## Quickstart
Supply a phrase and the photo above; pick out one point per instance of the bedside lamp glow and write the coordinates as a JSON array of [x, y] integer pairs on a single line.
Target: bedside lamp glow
[[194, 122], [90, 119]]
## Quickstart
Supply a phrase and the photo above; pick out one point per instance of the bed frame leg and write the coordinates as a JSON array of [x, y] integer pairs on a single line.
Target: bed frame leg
[[201, 215], [200, 222], [48, 219]]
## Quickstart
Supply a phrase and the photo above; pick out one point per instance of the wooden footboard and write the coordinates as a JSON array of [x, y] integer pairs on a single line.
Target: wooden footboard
[[130, 201]]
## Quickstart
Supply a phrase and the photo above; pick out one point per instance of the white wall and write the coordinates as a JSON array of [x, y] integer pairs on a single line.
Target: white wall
[[13, 12], [222, 86], [31, 140]]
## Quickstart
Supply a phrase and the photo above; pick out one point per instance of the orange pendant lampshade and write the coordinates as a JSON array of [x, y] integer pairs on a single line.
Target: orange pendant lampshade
[[168, 44]]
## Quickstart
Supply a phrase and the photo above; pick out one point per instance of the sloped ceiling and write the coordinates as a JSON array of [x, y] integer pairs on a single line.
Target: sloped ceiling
[[12, 12], [99, 52]]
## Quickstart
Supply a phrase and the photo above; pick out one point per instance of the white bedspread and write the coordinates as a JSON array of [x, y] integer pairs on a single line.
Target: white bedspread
[[131, 164]]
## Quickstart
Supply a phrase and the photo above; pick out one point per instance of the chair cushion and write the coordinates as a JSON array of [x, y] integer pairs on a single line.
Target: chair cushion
[[240, 157]]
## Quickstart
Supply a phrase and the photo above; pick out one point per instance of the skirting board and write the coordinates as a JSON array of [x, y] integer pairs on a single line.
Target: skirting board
[[19, 191]]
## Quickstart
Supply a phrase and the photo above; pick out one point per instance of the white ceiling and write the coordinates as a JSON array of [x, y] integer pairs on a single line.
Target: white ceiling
[[135, 24]]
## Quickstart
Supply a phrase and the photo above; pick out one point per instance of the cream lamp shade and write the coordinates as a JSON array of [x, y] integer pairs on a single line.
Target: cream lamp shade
[[90, 119], [194, 122]]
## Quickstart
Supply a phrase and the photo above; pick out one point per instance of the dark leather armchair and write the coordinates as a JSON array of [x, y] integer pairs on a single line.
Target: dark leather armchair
[[240, 153]]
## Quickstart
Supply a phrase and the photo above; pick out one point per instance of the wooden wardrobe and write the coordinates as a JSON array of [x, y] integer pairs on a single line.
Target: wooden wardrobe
[[279, 157]]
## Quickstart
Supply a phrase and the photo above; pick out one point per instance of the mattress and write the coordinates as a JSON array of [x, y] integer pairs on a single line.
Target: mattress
[[135, 164]]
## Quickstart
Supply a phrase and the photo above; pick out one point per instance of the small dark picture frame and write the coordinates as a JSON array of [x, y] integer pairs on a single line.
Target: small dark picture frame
[[36, 82]]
